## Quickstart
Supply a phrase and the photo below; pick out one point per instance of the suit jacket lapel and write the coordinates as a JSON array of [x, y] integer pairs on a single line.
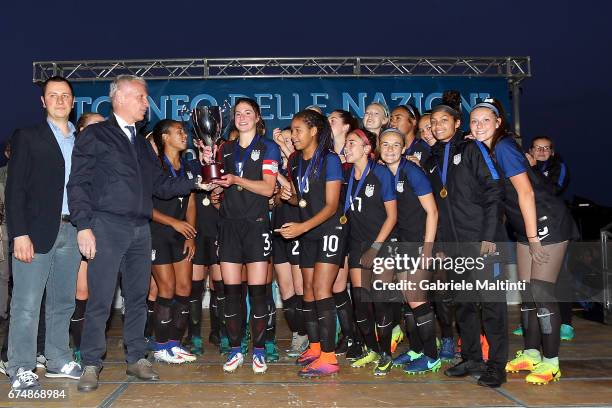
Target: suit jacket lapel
[[47, 135]]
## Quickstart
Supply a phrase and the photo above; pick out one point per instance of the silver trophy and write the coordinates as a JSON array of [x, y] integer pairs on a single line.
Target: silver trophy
[[207, 122]]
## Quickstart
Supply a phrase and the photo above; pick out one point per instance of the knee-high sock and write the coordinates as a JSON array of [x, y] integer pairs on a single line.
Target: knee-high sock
[[149, 326], [76, 322], [271, 323], [444, 312], [246, 311], [259, 311], [344, 310], [290, 312], [195, 308], [326, 311], [425, 325], [411, 329], [163, 319], [365, 317], [233, 313], [384, 325], [548, 315], [301, 318], [311, 321], [532, 338], [180, 312], [219, 290]]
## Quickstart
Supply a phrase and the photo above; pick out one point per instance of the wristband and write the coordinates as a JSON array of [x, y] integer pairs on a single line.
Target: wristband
[[376, 246]]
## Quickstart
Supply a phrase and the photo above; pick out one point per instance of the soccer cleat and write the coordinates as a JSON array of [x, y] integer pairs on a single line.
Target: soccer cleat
[[319, 368], [70, 370], [165, 355], [518, 331], [259, 361], [384, 365], [298, 345], [224, 345], [24, 380], [543, 373], [342, 346], [567, 332], [271, 351], [423, 365], [406, 358], [196, 347], [522, 362], [234, 360], [3, 367], [369, 357], [397, 336], [447, 351], [41, 361], [355, 350], [181, 352], [150, 343], [307, 357]]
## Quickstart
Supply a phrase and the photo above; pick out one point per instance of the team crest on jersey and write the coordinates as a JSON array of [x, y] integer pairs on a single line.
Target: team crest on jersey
[[546, 173], [369, 191], [400, 187], [457, 159], [255, 155], [190, 175]]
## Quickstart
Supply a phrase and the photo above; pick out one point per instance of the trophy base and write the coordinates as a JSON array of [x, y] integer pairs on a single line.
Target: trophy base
[[211, 172]]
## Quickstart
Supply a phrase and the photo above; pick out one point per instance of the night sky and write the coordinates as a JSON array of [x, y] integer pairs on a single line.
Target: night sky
[[568, 98]]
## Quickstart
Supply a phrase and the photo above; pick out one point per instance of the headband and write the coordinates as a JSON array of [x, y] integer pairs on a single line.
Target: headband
[[488, 105], [363, 136], [447, 108]]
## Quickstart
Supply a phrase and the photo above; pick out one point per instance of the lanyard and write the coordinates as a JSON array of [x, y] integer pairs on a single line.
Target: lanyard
[[181, 171], [444, 172], [409, 149], [349, 196], [303, 179], [239, 164]]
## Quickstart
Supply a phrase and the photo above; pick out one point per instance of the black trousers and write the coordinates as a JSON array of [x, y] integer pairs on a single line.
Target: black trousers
[[483, 311], [127, 247]]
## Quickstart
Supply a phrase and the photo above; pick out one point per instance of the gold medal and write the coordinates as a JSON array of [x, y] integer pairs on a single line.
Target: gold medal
[[443, 192], [343, 219], [302, 203], [206, 202], [239, 188]]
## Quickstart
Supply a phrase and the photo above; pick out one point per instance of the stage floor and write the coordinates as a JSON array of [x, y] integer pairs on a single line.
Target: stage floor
[[586, 364]]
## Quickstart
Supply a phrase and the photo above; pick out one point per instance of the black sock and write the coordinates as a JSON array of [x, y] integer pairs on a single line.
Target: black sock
[[344, 310], [219, 290], [311, 321], [384, 325], [245, 315], [76, 322], [271, 324], [259, 314], [180, 311], [364, 316], [425, 320], [195, 309], [163, 319], [410, 326], [233, 313], [326, 311], [396, 309], [150, 318], [290, 312], [444, 313], [565, 308], [548, 316], [301, 318]]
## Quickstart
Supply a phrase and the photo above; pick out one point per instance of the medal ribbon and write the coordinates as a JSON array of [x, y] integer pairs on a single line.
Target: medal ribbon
[[303, 179], [181, 171], [349, 196], [444, 172]]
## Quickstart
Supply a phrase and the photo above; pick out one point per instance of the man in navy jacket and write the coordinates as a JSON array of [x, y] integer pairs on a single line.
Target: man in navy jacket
[[114, 176]]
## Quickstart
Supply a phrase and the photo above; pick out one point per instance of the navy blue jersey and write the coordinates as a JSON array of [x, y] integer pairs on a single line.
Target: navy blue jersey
[[207, 216], [330, 169], [175, 207], [411, 184], [552, 215], [555, 171], [284, 212], [420, 149], [367, 212], [263, 157]]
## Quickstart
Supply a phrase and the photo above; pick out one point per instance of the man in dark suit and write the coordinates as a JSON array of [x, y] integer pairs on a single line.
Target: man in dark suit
[[114, 176], [45, 252]]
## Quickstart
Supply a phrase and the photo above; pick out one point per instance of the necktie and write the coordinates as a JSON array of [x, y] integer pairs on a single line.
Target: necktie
[[132, 130]]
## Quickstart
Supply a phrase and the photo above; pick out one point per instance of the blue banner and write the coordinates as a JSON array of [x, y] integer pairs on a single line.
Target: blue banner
[[280, 98]]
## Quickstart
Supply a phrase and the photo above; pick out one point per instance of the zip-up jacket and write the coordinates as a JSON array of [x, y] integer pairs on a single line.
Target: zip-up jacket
[[472, 211], [115, 179]]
